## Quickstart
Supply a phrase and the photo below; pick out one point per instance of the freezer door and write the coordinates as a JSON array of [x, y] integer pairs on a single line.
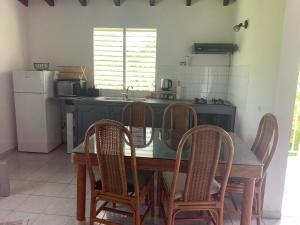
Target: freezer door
[[31, 122], [32, 81]]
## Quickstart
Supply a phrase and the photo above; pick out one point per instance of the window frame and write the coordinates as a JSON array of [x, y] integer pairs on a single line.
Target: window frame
[[124, 31]]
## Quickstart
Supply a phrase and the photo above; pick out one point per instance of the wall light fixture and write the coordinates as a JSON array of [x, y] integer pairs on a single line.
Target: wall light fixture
[[237, 27]]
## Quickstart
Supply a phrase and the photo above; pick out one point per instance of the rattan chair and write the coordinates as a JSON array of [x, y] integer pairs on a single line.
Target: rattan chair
[[179, 120], [179, 116], [196, 195], [264, 148], [116, 181], [136, 114]]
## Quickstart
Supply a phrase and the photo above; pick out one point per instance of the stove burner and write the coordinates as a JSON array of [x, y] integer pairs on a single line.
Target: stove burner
[[200, 101], [218, 101], [214, 101]]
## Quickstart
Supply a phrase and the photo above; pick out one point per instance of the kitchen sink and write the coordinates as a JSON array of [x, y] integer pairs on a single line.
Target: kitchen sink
[[137, 99], [122, 99], [114, 98]]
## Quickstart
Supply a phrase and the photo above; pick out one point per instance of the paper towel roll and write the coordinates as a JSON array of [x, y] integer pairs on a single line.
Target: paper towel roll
[[178, 91]]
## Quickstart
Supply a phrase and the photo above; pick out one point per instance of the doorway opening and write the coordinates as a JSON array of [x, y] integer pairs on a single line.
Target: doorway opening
[[292, 183]]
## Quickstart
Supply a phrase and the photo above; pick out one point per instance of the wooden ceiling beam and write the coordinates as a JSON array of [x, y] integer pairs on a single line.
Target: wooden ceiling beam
[[83, 2], [24, 2], [152, 2], [188, 2], [117, 2], [50, 2], [226, 2]]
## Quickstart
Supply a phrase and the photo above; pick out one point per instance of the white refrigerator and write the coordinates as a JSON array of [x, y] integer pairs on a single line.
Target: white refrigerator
[[37, 113]]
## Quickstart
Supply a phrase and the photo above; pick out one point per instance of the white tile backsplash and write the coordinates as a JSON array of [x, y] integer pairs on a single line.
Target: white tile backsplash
[[206, 76], [219, 70], [200, 70], [210, 60], [198, 80]]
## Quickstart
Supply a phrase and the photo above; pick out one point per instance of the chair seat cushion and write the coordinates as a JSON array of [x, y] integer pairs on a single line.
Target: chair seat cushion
[[235, 180], [143, 178], [168, 177]]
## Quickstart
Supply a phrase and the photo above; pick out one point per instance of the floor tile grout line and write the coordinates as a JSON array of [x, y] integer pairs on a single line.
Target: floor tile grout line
[[42, 213]]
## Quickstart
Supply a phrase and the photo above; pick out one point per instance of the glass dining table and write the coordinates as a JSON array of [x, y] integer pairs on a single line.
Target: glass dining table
[[156, 150]]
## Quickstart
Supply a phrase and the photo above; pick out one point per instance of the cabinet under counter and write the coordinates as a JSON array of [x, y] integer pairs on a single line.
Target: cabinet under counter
[[88, 110]]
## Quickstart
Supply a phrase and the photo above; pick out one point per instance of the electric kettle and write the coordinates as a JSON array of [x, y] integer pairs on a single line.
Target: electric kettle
[[165, 84]]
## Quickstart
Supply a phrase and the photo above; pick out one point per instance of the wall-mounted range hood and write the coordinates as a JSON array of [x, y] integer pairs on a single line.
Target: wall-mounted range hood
[[214, 48]]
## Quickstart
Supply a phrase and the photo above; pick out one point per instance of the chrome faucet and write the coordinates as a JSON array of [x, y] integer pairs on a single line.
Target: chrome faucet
[[125, 95]]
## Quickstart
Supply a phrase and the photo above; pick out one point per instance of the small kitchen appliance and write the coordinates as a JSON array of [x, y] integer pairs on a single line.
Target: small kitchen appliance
[[70, 88], [166, 84]]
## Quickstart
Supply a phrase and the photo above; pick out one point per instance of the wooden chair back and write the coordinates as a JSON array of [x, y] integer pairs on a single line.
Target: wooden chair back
[[109, 146], [136, 112], [266, 139], [206, 144], [179, 116]]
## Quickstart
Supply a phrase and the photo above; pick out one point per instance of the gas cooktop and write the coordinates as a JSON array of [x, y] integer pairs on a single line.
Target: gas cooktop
[[213, 101]]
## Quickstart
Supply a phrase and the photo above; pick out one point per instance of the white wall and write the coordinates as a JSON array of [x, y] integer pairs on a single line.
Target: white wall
[[253, 83], [13, 56], [62, 35]]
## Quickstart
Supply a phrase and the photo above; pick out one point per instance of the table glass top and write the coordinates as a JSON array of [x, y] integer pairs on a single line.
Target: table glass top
[[157, 143]]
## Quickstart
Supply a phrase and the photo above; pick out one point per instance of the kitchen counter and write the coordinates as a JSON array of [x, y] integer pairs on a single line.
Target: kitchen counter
[[90, 109], [97, 100]]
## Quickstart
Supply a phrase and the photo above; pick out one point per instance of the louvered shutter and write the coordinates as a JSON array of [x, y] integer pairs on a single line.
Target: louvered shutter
[[135, 66], [108, 58], [140, 58]]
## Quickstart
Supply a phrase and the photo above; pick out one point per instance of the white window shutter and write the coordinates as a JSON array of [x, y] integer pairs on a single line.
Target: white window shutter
[[136, 66], [108, 58], [140, 58]]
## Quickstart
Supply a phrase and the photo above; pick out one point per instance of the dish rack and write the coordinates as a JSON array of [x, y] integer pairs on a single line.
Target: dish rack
[[71, 73]]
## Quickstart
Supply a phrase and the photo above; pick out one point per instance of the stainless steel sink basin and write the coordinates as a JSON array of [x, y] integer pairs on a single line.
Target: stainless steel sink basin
[[114, 98], [137, 99], [122, 99]]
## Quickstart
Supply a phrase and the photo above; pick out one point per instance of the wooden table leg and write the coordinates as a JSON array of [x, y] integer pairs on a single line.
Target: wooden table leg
[[81, 192], [247, 201]]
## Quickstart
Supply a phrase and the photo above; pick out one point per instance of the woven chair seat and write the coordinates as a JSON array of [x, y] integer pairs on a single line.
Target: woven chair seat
[[143, 178], [168, 176], [235, 180]]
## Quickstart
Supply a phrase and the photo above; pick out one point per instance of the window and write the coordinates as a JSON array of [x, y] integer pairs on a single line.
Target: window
[[124, 57]]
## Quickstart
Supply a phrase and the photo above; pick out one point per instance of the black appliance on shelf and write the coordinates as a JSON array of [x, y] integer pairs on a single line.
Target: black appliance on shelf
[[214, 48], [70, 87]]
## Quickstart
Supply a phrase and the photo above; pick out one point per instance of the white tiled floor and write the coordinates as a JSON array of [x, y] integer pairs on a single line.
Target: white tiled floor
[[43, 190]]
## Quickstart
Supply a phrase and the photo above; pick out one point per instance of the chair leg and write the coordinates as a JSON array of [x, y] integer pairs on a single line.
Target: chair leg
[[92, 210], [262, 192], [259, 209], [159, 195], [158, 192], [152, 199], [221, 217], [173, 219], [137, 217], [170, 218]]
